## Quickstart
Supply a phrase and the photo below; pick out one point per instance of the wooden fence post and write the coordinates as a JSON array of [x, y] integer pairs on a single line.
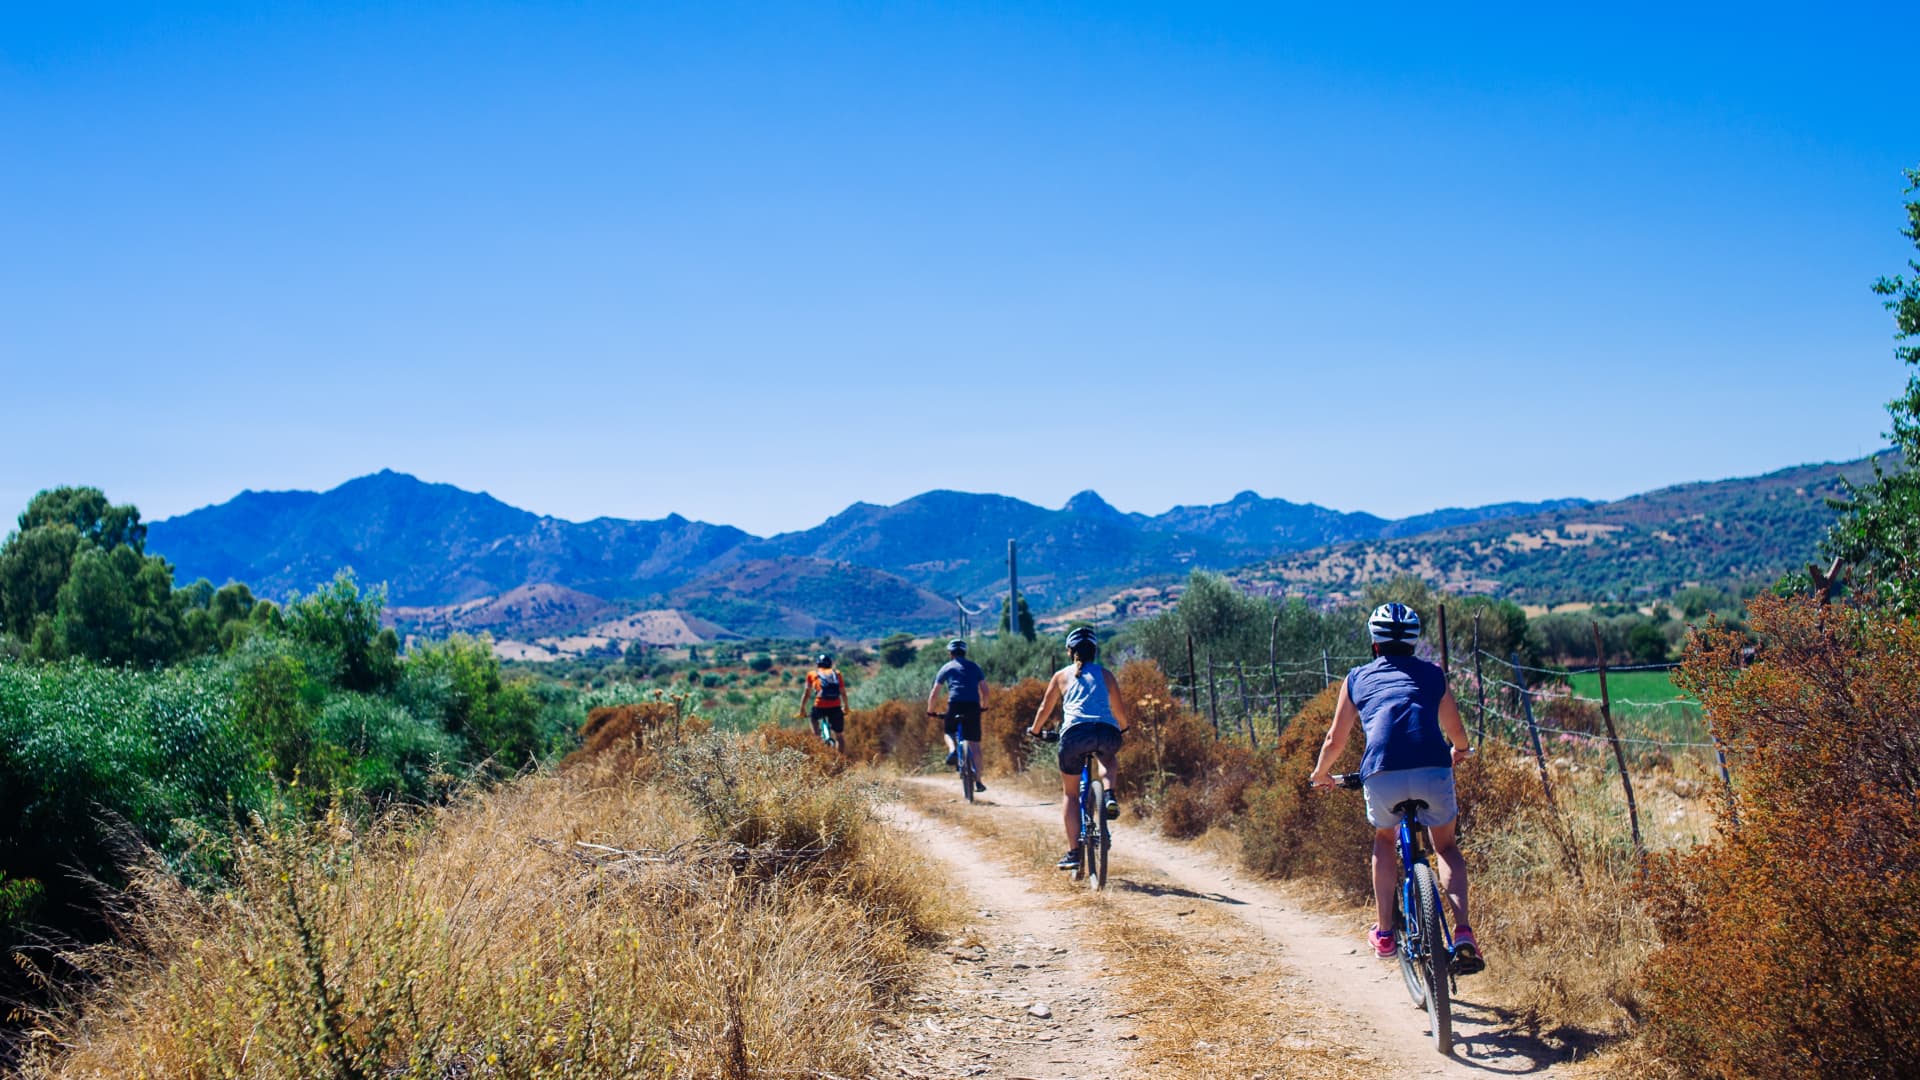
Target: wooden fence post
[[1213, 698], [1273, 673], [1193, 679], [1246, 707], [1446, 665], [1479, 684], [1326, 670], [1619, 755], [1540, 758]]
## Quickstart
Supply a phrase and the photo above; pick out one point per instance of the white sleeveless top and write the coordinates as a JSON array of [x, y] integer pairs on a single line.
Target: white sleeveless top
[[1085, 700]]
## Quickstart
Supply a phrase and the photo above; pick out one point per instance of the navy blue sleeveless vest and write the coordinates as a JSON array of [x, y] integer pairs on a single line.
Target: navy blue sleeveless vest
[[1399, 702]]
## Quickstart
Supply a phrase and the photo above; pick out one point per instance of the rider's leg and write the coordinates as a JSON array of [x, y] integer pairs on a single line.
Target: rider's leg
[[1070, 807], [1386, 877], [1453, 871]]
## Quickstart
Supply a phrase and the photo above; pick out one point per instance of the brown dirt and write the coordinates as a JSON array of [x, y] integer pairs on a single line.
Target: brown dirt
[[1232, 973]]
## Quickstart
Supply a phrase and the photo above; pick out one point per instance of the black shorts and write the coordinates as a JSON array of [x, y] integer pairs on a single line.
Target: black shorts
[[963, 717], [1082, 739], [835, 715]]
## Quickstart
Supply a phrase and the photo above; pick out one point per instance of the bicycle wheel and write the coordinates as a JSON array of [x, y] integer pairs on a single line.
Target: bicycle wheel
[[966, 774], [1101, 839], [1409, 970], [1434, 959]]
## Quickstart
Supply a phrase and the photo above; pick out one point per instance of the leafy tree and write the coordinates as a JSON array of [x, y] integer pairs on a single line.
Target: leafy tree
[[1026, 618], [1879, 529], [345, 625], [896, 650], [87, 510], [1647, 643], [34, 564]]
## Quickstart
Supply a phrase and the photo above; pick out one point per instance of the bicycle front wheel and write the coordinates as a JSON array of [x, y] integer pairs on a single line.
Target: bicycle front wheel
[[1435, 963], [1100, 839]]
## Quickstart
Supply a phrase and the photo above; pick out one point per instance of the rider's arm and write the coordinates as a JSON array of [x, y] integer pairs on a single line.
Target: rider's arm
[[1453, 728], [1120, 713], [1047, 704], [806, 691], [933, 692], [1345, 716]]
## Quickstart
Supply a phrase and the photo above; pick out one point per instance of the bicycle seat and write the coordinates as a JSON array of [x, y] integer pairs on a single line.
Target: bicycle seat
[[1409, 806]]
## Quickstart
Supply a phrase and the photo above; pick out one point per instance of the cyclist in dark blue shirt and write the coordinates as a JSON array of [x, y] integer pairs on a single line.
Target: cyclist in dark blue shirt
[[966, 687], [1414, 739]]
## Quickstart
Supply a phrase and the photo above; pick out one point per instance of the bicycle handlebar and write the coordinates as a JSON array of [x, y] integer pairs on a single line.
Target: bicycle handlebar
[[1350, 781], [1049, 735]]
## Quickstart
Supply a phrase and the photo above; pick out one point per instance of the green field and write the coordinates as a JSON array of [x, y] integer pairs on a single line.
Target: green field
[[1646, 704]]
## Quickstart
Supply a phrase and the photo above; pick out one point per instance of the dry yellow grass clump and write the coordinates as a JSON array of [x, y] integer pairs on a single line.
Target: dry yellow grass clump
[[741, 915]]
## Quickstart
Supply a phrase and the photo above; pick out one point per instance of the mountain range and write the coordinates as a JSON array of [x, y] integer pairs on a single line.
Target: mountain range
[[867, 568], [453, 559]]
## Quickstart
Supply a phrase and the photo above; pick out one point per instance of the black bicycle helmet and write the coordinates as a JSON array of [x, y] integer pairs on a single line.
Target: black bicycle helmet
[[826, 660], [1393, 623], [957, 646]]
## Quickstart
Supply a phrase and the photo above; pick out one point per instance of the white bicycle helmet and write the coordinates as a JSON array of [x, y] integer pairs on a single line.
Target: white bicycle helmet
[[1393, 622]]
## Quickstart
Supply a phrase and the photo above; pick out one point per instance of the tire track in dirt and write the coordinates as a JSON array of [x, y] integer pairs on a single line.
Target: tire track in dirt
[[1023, 997], [1356, 1001]]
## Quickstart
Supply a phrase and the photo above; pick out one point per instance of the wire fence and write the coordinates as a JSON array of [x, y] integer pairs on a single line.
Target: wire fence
[[1500, 699]]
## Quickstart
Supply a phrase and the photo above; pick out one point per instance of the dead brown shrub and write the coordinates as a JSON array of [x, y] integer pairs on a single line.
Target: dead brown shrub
[[896, 731], [819, 756], [1788, 946], [1291, 830]]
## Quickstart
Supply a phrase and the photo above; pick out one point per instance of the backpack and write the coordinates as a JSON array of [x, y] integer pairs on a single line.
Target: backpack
[[829, 687]]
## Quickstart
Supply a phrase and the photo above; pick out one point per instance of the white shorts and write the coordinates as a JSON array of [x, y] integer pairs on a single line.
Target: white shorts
[[1386, 790]]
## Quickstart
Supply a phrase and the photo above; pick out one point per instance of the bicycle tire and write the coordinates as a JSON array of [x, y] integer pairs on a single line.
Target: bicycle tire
[[1409, 971], [1434, 959], [1101, 839], [1086, 838], [966, 774]]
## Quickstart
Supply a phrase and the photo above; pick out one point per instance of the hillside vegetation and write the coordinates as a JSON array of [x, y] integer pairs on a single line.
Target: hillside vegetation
[[1728, 533]]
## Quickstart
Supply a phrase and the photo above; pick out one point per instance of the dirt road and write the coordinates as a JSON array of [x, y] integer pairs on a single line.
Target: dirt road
[[1290, 988]]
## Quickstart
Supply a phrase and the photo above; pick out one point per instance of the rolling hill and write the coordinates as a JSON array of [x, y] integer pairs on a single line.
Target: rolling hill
[[1728, 533]]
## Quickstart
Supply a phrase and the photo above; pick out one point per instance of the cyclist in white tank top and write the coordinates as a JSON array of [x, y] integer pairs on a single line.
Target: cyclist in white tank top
[[1092, 719]]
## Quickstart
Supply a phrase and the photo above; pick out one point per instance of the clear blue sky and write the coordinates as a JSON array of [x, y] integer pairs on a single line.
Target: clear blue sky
[[754, 263]]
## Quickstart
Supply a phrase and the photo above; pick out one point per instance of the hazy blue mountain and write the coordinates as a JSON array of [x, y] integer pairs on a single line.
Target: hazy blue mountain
[[865, 568], [431, 543]]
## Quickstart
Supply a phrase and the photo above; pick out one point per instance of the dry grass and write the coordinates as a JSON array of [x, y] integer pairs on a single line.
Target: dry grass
[[453, 945]]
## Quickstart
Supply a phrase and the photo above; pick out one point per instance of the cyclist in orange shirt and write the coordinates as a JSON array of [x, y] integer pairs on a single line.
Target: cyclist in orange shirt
[[828, 689]]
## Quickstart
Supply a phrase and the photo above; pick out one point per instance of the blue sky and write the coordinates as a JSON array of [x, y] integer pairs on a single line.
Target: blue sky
[[751, 264]]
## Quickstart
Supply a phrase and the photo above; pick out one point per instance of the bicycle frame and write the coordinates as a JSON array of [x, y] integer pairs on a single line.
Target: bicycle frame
[[1412, 850]]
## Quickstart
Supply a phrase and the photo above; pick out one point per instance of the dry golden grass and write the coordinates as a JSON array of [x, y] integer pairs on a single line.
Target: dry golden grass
[[481, 941]]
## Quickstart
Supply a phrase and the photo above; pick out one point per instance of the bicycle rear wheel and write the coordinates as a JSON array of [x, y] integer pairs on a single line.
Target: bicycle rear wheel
[[1101, 839], [1434, 959], [966, 774]]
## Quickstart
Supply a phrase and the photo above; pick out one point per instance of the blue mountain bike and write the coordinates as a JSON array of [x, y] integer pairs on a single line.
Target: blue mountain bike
[[1095, 839], [1425, 942], [963, 762]]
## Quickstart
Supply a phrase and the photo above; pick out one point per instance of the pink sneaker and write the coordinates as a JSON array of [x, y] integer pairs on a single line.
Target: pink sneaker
[[1466, 954], [1382, 943]]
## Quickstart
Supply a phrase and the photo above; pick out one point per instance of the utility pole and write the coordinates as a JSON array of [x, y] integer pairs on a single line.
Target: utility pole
[[1013, 587]]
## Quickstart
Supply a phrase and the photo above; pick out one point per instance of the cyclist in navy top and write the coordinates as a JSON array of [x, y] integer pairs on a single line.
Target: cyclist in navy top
[[966, 687], [1414, 739]]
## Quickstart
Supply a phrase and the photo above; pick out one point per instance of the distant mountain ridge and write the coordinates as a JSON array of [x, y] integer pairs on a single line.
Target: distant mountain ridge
[[1725, 533], [435, 545]]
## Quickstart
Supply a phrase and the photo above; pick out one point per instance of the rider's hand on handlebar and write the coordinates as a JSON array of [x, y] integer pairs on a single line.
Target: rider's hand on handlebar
[[1461, 753], [1322, 780]]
